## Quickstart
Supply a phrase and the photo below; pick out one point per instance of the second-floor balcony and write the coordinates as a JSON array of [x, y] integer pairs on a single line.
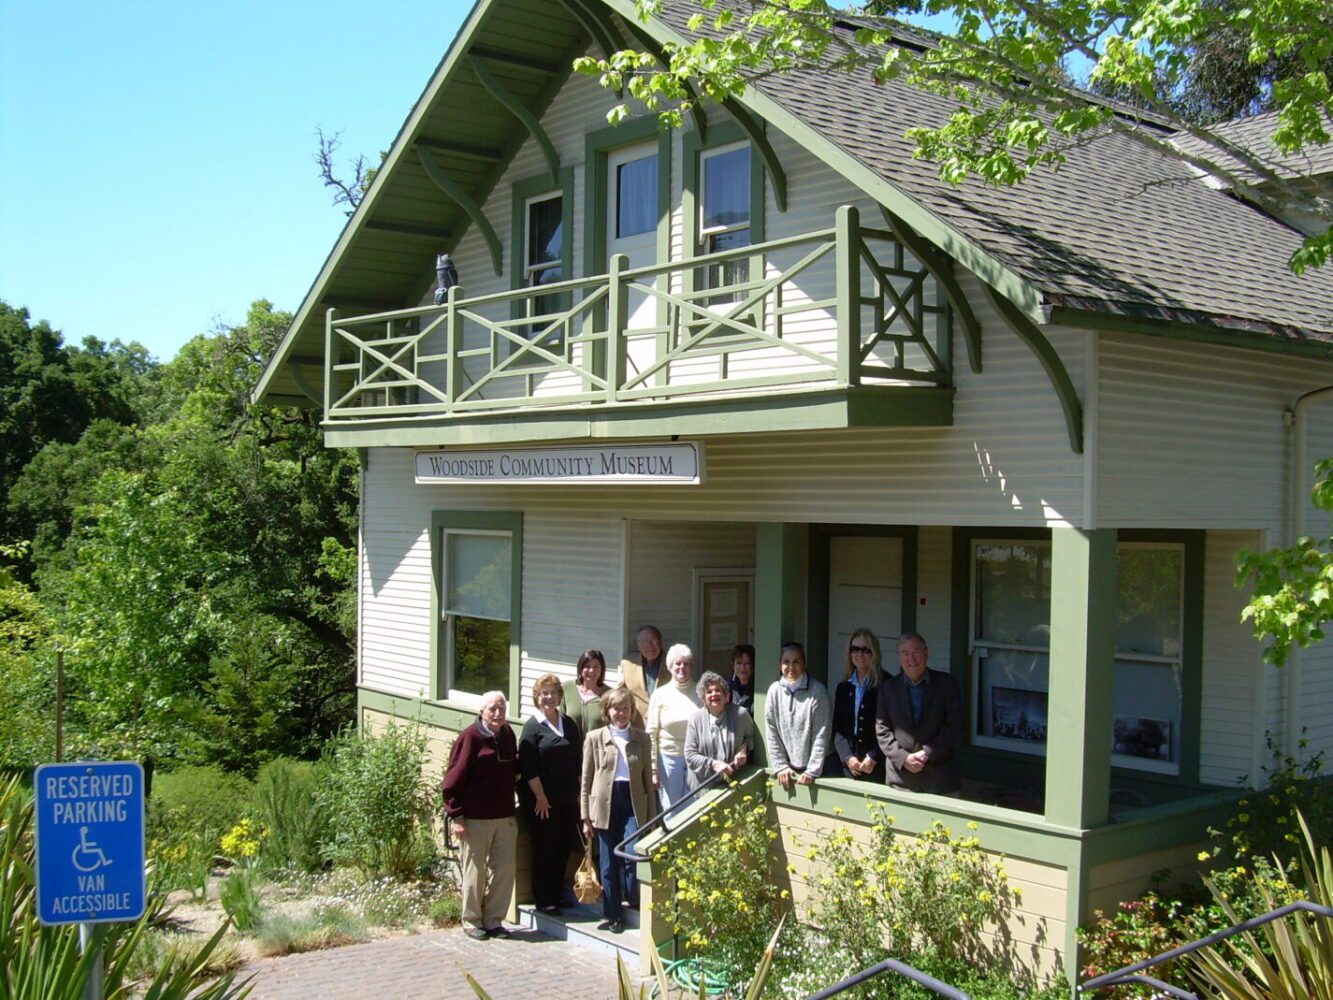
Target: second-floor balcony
[[836, 327]]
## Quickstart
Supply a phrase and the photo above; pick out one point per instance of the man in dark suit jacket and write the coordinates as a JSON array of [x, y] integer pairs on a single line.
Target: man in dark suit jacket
[[919, 723]]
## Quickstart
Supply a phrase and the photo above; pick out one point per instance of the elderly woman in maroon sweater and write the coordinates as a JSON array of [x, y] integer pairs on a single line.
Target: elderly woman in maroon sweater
[[479, 800]]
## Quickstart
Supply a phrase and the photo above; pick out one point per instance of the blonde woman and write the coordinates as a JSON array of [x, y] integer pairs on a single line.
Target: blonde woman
[[854, 702]]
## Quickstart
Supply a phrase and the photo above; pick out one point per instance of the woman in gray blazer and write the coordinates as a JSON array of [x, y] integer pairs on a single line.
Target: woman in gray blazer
[[617, 798], [720, 736]]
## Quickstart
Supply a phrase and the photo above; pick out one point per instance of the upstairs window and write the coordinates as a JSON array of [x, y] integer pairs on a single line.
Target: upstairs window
[[544, 256], [724, 211]]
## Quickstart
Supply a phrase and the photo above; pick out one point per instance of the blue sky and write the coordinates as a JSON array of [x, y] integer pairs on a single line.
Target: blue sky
[[157, 158]]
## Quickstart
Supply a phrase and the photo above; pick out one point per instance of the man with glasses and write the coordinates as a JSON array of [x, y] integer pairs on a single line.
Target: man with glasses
[[640, 672], [919, 723], [479, 801]]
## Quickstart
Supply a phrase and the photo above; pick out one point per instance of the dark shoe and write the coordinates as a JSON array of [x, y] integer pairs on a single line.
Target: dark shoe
[[632, 904], [606, 925], [550, 909], [499, 932], [617, 926], [475, 933]]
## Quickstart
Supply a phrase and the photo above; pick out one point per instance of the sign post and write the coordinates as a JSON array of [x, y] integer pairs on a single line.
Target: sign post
[[90, 847]]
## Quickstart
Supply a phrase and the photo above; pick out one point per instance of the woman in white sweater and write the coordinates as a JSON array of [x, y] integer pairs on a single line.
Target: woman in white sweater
[[672, 705]]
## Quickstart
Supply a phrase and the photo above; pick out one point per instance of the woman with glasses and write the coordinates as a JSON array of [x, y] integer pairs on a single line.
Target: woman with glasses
[[854, 701], [720, 736], [583, 695], [550, 754]]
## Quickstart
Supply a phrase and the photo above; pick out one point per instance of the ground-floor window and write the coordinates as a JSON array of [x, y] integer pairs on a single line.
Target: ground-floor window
[[1010, 647], [476, 585]]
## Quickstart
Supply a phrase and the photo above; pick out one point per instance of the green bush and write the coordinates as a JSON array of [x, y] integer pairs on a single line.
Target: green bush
[[447, 911], [198, 800], [378, 803], [239, 896], [287, 803], [324, 927]]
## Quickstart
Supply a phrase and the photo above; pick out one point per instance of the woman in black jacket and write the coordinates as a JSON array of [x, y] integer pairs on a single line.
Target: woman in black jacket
[[550, 756], [854, 703]]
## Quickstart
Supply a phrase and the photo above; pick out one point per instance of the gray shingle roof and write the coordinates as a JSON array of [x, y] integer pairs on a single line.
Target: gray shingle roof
[[1117, 229], [1256, 133]]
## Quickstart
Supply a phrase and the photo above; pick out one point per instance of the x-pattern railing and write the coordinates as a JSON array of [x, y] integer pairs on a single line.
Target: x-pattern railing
[[586, 341]]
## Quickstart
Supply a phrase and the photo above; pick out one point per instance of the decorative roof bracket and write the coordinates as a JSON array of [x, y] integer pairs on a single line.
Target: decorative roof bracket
[[1050, 361], [598, 24], [652, 46], [464, 201], [751, 127], [520, 111], [940, 267]]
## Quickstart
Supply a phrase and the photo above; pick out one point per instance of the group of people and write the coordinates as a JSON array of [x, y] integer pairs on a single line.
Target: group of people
[[600, 762]]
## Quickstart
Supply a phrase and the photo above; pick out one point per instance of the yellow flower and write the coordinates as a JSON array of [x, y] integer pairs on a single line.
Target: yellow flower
[[1204, 856]]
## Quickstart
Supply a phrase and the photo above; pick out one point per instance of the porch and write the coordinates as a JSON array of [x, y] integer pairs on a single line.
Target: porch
[[834, 328]]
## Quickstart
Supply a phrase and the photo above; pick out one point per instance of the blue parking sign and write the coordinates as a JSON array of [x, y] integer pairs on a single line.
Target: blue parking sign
[[90, 842]]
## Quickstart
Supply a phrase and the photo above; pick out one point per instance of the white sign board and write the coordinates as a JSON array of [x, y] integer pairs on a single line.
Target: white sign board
[[653, 464]]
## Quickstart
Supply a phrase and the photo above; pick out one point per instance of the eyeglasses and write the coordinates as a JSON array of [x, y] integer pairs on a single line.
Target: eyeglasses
[[861, 649]]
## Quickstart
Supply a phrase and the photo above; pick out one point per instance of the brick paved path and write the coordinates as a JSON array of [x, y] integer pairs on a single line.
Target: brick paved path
[[431, 966]]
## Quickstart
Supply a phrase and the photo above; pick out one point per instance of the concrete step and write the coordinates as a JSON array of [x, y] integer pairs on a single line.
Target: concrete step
[[577, 924]]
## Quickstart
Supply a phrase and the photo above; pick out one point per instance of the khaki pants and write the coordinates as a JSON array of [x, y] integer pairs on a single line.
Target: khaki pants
[[488, 870]]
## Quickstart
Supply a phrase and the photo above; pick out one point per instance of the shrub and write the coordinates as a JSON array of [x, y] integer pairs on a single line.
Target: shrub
[[447, 910], [376, 799], [289, 806], [725, 904], [198, 800], [165, 951]]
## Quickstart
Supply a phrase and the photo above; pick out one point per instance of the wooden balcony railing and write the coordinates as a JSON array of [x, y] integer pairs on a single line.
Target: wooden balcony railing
[[840, 307]]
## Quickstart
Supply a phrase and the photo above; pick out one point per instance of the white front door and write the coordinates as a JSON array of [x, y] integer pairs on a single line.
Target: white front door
[[631, 224]]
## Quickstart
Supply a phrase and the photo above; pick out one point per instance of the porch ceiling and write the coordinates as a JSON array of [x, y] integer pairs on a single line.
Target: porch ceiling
[[385, 256]]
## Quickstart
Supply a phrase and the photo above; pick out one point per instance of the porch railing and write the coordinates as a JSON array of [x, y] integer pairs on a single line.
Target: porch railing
[[842, 306]]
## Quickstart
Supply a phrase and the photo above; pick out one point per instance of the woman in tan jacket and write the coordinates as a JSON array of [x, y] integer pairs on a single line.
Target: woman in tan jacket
[[617, 798]]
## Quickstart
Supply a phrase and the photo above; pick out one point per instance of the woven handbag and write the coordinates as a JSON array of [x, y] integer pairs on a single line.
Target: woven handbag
[[586, 887]]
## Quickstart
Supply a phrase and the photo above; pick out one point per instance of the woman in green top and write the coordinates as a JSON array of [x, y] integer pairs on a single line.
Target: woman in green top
[[583, 695]]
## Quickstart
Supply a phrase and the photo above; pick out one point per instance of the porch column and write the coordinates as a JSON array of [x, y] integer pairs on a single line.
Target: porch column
[[1082, 677], [778, 573]]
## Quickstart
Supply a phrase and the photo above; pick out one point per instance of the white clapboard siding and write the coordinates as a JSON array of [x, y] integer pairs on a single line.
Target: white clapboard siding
[[662, 560], [1163, 459], [1230, 666]]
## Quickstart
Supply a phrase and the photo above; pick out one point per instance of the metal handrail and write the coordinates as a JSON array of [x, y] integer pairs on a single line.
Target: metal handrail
[[622, 852], [1132, 973], [892, 965]]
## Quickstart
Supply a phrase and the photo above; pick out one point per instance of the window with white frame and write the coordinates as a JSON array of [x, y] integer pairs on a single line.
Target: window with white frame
[[543, 250], [476, 610], [724, 211], [1011, 593]]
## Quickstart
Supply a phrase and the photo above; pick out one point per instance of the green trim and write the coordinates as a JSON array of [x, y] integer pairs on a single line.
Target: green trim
[[596, 187], [1296, 343], [516, 107], [778, 567], [475, 520], [755, 131], [464, 201], [1081, 697], [694, 144], [1050, 361], [825, 409], [817, 595], [437, 714], [941, 269], [521, 191]]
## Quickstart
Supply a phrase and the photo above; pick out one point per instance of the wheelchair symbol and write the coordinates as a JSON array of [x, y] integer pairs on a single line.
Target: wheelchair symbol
[[87, 856]]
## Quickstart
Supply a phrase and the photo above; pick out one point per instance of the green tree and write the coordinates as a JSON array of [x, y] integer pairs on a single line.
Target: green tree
[[1005, 66], [1293, 586]]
